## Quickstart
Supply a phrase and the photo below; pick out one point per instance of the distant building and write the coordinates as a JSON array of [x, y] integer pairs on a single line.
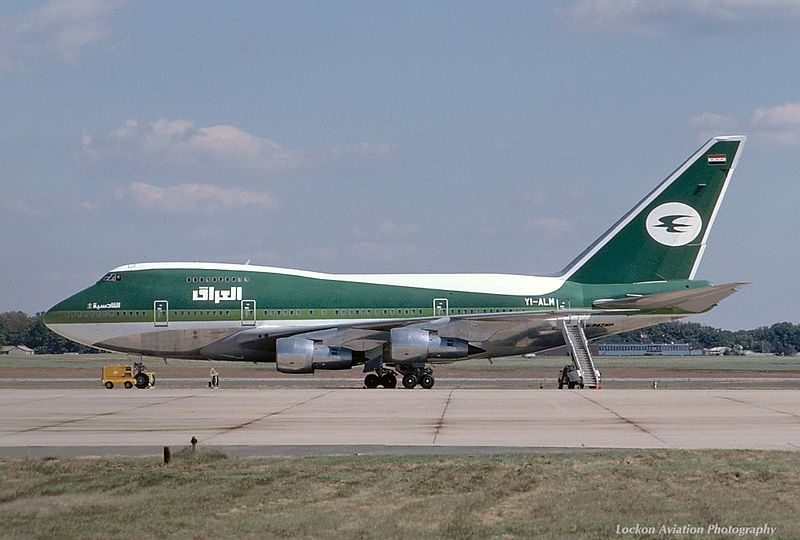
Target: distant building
[[562, 351], [16, 350], [647, 349]]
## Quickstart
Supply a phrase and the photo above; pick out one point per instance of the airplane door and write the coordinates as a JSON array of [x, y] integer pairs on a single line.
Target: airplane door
[[440, 308], [161, 313], [248, 312]]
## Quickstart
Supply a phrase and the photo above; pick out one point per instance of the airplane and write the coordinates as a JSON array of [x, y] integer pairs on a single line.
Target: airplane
[[639, 273]]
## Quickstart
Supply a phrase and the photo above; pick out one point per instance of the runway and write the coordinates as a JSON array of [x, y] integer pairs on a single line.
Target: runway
[[330, 420]]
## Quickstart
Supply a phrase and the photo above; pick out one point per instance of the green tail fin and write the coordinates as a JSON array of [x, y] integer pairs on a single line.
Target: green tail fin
[[664, 236]]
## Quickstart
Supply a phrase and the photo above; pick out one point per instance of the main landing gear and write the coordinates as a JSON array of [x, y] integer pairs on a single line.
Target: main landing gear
[[387, 379], [412, 376]]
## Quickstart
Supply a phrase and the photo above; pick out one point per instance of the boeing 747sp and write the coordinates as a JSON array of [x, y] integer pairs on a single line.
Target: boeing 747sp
[[639, 273]]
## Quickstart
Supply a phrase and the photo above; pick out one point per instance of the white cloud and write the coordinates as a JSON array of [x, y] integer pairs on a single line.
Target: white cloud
[[779, 125], [58, 30], [192, 197], [786, 115], [660, 17], [181, 145]]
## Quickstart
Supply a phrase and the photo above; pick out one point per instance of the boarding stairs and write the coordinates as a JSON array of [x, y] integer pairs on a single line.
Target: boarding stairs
[[578, 347]]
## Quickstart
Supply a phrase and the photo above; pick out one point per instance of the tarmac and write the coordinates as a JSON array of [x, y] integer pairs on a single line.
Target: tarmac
[[303, 421], [717, 382]]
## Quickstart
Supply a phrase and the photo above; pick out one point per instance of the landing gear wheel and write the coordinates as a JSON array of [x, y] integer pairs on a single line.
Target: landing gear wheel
[[142, 380], [128, 385], [426, 381], [388, 380], [372, 381], [570, 385], [109, 385], [410, 380]]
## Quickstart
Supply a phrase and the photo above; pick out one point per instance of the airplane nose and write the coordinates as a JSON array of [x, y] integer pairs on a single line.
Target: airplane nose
[[57, 321], [69, 318], [52, 317], [49, 317]]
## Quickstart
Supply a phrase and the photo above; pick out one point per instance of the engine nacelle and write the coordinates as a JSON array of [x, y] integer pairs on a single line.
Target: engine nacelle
[[301, 355], [417, 345]]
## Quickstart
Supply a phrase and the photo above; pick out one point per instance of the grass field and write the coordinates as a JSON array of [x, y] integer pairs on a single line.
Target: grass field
[[689, 363], [584, 495]]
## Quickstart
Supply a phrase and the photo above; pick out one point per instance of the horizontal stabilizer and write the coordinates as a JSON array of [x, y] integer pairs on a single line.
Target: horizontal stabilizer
[[686, 300]]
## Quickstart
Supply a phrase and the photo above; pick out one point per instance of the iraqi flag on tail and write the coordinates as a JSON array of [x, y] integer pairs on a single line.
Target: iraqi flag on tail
[[717, 159]]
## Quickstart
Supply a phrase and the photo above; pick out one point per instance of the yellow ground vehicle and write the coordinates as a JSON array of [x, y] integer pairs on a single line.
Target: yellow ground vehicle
[[128, 376]]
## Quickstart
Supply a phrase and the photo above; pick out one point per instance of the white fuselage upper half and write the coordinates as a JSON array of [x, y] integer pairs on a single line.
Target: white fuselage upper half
[[506, 284]]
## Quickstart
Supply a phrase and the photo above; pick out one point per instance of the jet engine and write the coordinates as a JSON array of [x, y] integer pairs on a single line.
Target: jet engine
[[415, 345], [300, 355]]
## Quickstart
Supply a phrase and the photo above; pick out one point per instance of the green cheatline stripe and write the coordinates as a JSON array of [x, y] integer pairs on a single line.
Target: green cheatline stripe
[[183, 315], [296, 314]]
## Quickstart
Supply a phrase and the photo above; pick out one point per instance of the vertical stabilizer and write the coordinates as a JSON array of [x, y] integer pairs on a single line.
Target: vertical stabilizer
[[664, 236]]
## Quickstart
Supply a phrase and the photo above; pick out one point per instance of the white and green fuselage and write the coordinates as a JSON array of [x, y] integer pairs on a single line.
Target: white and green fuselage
[[177, 309], [639, 273]]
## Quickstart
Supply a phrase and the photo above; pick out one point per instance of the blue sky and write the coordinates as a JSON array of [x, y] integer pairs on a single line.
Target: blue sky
[[376, 137]]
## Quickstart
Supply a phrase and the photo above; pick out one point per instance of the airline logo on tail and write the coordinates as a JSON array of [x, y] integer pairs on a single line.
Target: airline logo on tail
[[674, 224]]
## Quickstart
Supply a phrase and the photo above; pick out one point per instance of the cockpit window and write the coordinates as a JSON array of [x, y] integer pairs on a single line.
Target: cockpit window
[[111, 276]]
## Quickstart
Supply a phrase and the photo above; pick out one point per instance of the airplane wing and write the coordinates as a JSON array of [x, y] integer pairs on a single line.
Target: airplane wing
[[250, 343], [361, 337], [470, 328], [484, 326]]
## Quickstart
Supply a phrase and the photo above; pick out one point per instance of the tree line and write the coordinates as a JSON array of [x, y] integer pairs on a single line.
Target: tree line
[[18, 328], [780, 338]]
